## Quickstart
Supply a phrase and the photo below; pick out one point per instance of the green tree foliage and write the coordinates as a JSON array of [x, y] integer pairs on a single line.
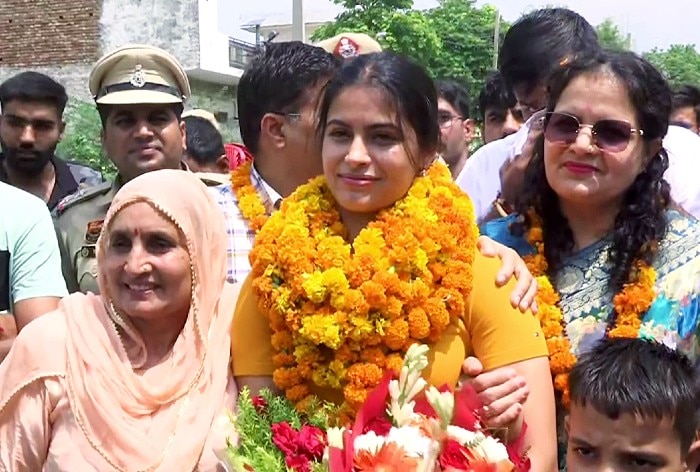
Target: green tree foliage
[[392, 22], [610, 36], [467, 36], [81, 139], [679, 63], [453, 40]]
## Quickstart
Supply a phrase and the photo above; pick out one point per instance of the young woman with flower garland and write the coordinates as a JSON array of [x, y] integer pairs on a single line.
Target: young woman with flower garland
[[596, 223], [377, 254]]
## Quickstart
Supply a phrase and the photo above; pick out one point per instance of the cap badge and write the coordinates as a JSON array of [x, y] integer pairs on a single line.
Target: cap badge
[[138, 79], [347, 48]]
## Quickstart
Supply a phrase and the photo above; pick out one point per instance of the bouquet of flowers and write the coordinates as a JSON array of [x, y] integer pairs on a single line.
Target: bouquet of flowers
[[271, 436], [402, 425]]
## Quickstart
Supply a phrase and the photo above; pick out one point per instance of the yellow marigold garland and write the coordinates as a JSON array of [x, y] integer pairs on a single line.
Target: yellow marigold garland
[[630, 304], [341, 314], [249, 201]]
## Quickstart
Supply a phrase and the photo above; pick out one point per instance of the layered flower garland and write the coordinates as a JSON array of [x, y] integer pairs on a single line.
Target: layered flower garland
[[249, 201], [341, 314], [630, 305]]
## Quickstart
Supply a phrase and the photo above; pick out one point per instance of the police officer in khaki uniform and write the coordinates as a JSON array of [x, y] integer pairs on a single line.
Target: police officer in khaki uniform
[[140, 92]]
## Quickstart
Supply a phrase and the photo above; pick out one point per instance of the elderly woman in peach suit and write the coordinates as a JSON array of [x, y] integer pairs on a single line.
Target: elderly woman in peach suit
[[137, 378]]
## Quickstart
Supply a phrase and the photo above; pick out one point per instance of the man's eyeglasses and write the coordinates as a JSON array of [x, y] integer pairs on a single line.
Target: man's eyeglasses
[[608, 135], [290, 116], [445, 120]]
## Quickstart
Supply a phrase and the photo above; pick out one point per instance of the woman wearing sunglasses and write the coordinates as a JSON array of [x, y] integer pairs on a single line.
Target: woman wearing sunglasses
[[595, 221]]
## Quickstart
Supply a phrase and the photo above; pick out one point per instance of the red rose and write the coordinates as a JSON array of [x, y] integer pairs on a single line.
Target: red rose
[[298, 463], [379, 425], [454, 455], [260, 404], [312, 441], [285, 438]]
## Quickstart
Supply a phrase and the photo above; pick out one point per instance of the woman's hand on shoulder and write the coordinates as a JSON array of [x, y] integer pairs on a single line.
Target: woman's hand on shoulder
[[523, 296]]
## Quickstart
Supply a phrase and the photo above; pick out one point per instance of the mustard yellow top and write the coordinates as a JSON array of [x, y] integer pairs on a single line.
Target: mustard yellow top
[[492, 330]]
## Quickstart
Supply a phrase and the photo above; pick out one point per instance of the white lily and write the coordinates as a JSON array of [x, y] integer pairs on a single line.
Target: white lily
[[430, 459], [369, 442], [492, 450], [335, 437], [464, 436], [411, 439], [409, 384], [416, 358], [402, 414], [443, 403]]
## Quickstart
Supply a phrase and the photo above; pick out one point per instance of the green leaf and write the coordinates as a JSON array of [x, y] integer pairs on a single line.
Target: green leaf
[[255, 446], [680, 63], [81, 139], [453, 40], [610, 36]]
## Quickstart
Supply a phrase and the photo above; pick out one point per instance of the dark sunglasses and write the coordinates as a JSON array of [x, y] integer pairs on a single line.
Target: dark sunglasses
[[608, 135]]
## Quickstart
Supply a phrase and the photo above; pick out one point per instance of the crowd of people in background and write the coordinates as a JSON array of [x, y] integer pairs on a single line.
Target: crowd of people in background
[[567, 286]]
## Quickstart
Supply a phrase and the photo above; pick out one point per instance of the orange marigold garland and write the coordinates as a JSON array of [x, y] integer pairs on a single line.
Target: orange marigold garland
[[630, 305], [249, 201], [341, 314]]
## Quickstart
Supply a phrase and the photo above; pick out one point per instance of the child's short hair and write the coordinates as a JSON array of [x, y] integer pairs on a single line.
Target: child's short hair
[[638, 377]]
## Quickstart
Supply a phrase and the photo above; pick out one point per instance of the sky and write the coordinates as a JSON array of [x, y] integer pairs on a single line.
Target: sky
[[652, 23]]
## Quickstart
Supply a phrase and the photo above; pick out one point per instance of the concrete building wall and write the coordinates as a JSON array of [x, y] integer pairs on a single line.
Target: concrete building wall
[[169, 24], [220, 100]]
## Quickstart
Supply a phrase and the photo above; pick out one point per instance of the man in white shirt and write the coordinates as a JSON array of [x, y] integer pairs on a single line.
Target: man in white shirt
[[535, 47], [456, 125]]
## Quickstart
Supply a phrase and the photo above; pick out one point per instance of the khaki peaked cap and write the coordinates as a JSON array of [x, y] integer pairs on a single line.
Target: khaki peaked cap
[[348, 45], [138, 74]]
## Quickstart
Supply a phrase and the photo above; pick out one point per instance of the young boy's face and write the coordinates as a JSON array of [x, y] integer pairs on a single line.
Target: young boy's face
[[629, 443]]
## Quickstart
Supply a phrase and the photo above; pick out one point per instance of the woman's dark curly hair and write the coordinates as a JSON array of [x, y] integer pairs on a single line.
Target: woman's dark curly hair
[[641, 222]]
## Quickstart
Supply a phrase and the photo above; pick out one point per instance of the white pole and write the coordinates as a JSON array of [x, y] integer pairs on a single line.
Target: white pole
[[298, 26], [496, 38]]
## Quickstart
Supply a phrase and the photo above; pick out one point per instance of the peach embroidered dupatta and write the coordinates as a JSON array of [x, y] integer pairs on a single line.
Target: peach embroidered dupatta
[[158, 421]]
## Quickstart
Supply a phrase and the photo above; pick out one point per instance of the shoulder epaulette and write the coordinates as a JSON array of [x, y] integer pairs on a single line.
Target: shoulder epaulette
[[83, 195]]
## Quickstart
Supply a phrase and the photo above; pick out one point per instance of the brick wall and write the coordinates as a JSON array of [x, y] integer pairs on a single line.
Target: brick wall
[[48, 32], [63, 38]]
